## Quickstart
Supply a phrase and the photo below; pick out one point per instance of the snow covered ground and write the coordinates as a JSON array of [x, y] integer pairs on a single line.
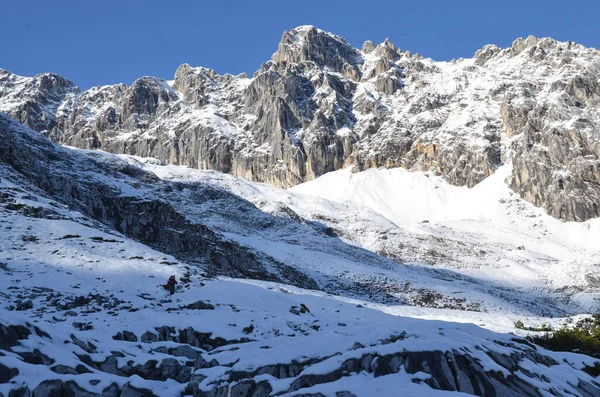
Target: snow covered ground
[[482, 249], [86, 284], [538, 249], [414, 273]]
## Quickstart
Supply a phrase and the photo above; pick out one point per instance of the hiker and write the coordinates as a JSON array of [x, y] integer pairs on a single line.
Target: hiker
[[170, 286]]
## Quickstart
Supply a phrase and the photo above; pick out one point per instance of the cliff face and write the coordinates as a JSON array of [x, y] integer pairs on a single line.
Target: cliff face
[[320, 105], [95, 188]]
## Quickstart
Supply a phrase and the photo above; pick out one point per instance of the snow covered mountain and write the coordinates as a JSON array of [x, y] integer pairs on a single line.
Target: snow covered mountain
[[84, 313], [408, 242], [320, 105]]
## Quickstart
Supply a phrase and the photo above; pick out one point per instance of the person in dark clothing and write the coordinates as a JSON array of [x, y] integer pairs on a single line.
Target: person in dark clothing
[[170, 285]]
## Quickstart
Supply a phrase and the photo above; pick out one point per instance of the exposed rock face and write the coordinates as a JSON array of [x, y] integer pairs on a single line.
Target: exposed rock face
[[78, 182], [307, 44], [451, 370], [319, 105], [557, 161], [35, 100]]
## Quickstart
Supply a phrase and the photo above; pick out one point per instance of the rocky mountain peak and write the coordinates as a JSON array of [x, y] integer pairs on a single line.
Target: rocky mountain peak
[[52, 83], [367, 47], [146, 98], [34, 101], [309, 44], [44, 87], [522, 44], [388, 43], [197, 83]]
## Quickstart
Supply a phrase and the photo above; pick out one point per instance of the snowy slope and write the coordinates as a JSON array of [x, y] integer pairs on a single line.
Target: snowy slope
[[100, 315], [504, 256], [83, 310], [481, 248], [528, 247]]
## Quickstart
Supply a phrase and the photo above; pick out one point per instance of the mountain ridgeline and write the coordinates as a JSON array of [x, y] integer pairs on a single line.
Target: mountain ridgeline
[[320, 105]]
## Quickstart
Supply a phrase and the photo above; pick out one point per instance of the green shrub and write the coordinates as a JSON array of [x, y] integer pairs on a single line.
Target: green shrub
[[519, 324], [542, 328], [583, 338]]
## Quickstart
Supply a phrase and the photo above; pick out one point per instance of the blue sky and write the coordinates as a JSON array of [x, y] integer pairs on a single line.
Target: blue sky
[[106, 42]]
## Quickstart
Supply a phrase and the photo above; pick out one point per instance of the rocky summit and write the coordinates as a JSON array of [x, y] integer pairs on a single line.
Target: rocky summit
[[320, 105]]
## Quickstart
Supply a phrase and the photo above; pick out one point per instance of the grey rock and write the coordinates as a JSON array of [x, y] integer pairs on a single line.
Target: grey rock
[[20, 392], [515, 109], [149, 337], [251, 388], [557, 168], [36, 357], [308, 44], [7, 373], [110, 365], [309, 395], [129, 336], [456, 370], [111, 391], [57, 388], [192, 387], [185, 351], [25, 305], [11, 334], [130, 391], [451, 370], [64, 370], [172, 369], [199, 305], [485, 54], [295, 310], [200, 362], [87, 347], [40, 96], [357, 345]]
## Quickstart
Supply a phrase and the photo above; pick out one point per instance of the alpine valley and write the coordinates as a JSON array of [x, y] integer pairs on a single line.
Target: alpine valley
[[346, 223]]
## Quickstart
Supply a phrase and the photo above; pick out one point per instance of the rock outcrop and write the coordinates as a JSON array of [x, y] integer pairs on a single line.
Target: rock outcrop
[[518, 368], [78, 181], [320, 105]]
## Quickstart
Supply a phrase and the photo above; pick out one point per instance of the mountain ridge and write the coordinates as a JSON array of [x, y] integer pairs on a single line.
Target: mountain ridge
[[320, 105]]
